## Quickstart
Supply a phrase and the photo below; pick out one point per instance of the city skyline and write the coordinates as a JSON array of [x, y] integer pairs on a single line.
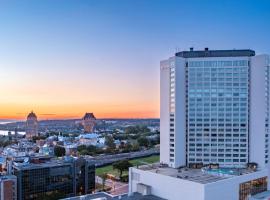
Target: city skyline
[[62, 60]]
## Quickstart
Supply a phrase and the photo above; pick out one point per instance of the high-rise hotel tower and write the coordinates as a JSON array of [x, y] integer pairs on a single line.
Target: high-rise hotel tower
[[215, 108]]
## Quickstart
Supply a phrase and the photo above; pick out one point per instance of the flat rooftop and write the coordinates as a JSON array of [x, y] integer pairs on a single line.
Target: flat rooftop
[[53, 163], [195, 175], [215, 53], [106, 196]]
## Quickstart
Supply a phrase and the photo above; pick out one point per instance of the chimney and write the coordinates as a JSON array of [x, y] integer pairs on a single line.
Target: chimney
[[191, 48], [206, 49]]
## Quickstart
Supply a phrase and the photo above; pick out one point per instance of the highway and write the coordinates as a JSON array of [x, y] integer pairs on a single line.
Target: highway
[[103, 160]]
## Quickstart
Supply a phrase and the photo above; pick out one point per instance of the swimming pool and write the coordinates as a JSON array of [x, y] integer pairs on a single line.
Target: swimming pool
[[222, 171]]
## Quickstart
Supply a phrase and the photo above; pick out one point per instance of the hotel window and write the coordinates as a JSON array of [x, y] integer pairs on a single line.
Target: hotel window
[[252, 187]]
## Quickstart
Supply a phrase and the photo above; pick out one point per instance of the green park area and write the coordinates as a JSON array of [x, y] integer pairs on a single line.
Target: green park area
[[135, 162]]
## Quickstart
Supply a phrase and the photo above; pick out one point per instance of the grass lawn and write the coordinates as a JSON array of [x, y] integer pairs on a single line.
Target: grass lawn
[[146, 160], [138, 161]]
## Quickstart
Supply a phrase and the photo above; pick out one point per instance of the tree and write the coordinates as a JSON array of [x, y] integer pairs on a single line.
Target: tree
[[92, 149], [103, 179], [136, 147], [89, 150], [83, 152], [137, 129], [81, 148], [122, 145], [122, 165], [143, 141], [5, 143], [127, 147], [59, 151], [35, 138], [109, 142]]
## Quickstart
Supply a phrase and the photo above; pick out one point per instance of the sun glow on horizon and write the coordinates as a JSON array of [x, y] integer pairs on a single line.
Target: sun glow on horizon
[[121, 115], [75, 112], [58, 92]]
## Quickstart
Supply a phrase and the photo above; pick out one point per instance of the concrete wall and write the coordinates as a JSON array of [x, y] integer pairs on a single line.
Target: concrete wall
[[171, 188], [180, 110], [228, 189], [166, 187], [180, 113], [164, 111], [257, 110]]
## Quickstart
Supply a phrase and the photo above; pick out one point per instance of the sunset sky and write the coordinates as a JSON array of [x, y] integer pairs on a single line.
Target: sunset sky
[[64, 58]]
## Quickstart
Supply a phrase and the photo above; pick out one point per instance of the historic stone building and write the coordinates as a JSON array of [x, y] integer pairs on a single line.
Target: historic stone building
[[31, 125], [88, 122]]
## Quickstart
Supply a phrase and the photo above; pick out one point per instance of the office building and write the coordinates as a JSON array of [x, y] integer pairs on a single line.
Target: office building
[[84, 172], [38, 179], [214, 116], [31, 128]]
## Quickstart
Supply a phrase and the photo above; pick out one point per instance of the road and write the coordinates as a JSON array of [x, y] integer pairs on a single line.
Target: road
[[109, 159]]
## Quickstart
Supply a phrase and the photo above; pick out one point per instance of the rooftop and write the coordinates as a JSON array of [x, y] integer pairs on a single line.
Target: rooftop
[[27, 166], [31, 115], [106, 196], [7, 177], [89, 116], [215, 53], [195, 175], [88, 136]]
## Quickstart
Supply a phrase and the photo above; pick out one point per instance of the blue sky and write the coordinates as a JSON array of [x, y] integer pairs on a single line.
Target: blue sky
[[105, 53]]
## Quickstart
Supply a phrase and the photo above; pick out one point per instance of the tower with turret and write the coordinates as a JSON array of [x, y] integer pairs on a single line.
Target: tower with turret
[[88, 122], [31, 125]]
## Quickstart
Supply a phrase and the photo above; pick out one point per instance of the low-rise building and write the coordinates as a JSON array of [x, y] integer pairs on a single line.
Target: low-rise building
[[68, 177], [8, 187], [106, 196], [88, 139], [47, 149], [71, 149], [199, 184]]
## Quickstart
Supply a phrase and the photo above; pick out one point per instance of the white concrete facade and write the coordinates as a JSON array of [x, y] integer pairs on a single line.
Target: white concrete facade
[[173, 106], [173, 188], [241, 136], [180, 118], [259, 109], [165, 186], [164, 111], [215, 108]]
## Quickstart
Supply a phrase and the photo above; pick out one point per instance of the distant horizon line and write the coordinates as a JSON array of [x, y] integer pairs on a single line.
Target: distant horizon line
[[102, 118]]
